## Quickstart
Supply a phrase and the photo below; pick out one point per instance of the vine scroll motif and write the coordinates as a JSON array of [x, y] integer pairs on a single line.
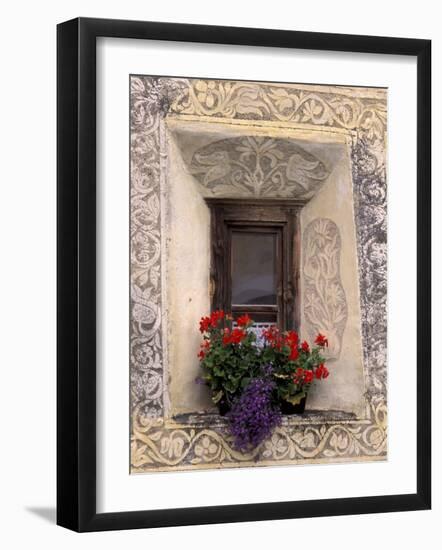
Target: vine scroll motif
[[257, 167], [325, 304], [150, 99], [155, 445], [305, 105], [370, 192]]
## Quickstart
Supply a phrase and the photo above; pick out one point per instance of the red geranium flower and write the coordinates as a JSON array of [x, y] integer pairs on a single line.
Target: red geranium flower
[[215, 317], [272, 336], [205, 346], [211, 322], [204, 324], [237, 335], [244, 320], [305, 347], [308, 376], [321, 340], [299, 375], [294, 354], [321, 371], [292, 338], [234, 337], [270, 333], [303, 376]]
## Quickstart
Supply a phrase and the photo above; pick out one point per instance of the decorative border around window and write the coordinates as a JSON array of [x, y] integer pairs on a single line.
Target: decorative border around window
[[158, 443]]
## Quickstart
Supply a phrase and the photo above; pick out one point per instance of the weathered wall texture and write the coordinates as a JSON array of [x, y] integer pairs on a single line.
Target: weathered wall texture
[[330, 303], [333, 132], [330, 288], [187, 226]]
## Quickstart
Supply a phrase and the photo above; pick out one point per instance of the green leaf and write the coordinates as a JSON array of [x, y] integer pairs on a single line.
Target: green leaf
[[217, 396], [296, 399]]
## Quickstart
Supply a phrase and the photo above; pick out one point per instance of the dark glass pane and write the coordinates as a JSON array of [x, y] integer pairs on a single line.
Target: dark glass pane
[[253, 268]]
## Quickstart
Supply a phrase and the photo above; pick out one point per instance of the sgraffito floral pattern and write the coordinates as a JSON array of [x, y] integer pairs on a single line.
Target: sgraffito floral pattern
[[150, 100], [157, 446], [257, 167], [158, 443], [325, 304], [300, 104], [369, 177]]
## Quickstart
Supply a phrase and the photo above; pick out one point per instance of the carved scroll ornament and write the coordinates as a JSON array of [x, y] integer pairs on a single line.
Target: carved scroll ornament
[[155, 444], [257, 167], [325, 304]]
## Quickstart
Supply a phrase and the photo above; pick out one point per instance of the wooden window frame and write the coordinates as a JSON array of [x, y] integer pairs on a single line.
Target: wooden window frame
[[276, 216]]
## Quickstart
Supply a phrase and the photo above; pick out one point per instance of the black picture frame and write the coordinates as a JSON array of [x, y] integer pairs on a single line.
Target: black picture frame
[[76, 274]]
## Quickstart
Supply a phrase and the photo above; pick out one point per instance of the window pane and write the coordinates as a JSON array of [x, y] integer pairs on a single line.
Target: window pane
[[253, 268]]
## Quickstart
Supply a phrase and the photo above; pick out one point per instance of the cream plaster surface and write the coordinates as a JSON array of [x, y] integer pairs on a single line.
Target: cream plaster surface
[[345, 386], [194, 134], [187, 223], [170, 256]]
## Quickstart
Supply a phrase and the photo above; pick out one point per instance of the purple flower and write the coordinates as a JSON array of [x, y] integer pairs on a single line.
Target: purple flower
[[253, 416]]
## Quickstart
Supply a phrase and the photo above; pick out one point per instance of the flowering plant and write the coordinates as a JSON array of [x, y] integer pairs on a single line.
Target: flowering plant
[[253, 380], [295, 364], [254, 414], [229, 357]]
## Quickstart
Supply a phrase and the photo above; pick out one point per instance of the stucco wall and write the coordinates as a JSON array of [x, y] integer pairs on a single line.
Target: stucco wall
[[344, 389], [316, 118], [187, 225]]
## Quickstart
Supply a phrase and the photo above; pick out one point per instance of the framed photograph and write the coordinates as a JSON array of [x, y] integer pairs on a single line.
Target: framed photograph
[[243, 274]]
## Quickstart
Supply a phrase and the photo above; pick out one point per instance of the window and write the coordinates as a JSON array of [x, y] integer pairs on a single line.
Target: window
[[255, 259]]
